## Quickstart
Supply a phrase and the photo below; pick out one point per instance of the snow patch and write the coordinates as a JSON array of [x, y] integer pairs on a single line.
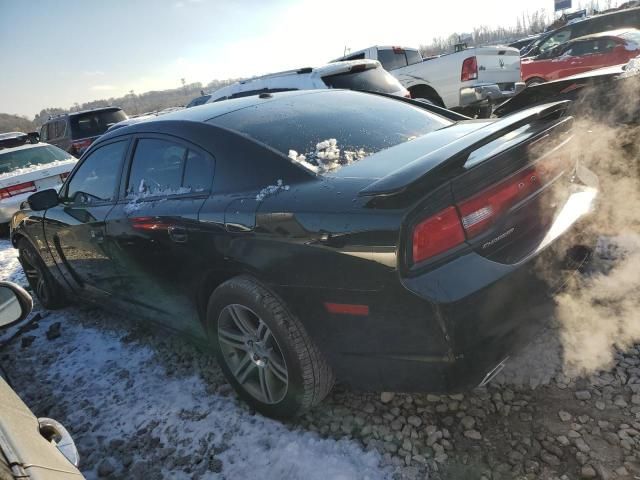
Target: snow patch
[[631, 68], [327, 156], [36, 167], [271, 190], [144, 191]]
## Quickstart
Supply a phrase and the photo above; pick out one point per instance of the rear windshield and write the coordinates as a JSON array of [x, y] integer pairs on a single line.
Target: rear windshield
[[392, 59], [326, 129], [30, 157], [371, 80], [92, 124]]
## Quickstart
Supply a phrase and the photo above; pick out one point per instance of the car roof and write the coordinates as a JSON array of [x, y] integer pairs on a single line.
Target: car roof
[[81, 112], [7, 135], [379, 47], [26, 146], [610, 33], [327, 69]]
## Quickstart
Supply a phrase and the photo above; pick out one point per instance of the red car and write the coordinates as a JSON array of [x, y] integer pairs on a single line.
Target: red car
[[582, 55]]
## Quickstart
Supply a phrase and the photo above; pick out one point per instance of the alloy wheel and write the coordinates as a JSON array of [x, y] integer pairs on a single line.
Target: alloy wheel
[[252, 354]]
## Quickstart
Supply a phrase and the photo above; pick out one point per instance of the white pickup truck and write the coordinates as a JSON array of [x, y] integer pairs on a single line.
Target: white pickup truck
[[469, 81]]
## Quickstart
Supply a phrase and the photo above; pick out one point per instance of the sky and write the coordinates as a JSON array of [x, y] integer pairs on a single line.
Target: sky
[[57, 53]]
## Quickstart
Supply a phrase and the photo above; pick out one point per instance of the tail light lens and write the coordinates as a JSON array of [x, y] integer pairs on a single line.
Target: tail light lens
[[14, 190], [469, 69], [79, 146], [437, 234]]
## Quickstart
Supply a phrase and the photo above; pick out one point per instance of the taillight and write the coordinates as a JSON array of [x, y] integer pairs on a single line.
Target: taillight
[[475, 215], [14, 190], [64, 175], [469, 69], [80, 146], [437, 234], [480, 211]]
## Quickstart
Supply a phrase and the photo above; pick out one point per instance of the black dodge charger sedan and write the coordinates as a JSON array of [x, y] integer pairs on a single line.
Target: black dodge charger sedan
[[318, 235]]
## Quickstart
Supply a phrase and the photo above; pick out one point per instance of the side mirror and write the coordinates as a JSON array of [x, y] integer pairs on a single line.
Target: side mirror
[[43, 199], [15, 304]]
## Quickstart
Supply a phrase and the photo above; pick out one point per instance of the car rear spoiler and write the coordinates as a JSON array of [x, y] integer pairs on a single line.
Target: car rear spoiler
[[456, 153]]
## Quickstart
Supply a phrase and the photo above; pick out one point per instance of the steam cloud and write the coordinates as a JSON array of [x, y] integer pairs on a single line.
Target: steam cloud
[[599, 312]]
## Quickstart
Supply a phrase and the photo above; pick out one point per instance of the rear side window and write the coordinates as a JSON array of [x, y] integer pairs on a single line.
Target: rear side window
[[95, 180], [15, 159], [60, 127], [392, 59], [156, 168], [556, 39], [44, 135], [92, 124], [413, 56], [162, 167], [372, 79], [326, 129]]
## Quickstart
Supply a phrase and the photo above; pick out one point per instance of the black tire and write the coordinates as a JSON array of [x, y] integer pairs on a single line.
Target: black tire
[[43, 285], [534, 81], [309, 377]]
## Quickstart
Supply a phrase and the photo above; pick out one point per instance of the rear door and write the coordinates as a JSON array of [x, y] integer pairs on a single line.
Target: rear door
[[154, 234], [75, 229]]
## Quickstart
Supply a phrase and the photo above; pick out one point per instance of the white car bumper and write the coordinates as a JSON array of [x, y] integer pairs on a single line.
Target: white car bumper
[[9, 206], [488, 93]]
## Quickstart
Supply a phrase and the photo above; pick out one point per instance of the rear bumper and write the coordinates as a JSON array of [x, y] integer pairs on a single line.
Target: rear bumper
[[448, 329], [477, 95]]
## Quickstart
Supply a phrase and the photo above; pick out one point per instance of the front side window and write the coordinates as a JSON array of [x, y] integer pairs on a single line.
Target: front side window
[[96, 179], [555, 39]]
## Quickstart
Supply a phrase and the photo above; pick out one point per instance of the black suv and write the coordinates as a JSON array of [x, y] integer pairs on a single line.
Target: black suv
[[75, 132]]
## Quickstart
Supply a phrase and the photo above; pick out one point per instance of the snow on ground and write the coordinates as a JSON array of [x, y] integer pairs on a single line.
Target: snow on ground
[[142, 406]]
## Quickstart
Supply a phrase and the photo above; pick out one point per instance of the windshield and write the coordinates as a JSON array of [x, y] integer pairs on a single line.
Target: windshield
[[10, 161], [372, 80], [326, 129], [92, 124]]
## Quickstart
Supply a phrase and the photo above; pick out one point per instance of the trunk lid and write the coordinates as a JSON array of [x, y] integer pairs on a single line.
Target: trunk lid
[[498, 64]]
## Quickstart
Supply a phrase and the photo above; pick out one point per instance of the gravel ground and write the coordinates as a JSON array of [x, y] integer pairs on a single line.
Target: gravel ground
[[142, 405]]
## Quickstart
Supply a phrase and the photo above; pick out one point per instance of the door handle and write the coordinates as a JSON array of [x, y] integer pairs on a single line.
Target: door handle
[[97, 235], [177, 234]]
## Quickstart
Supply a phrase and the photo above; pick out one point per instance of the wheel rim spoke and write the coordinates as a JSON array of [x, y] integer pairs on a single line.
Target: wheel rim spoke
[[232, 339], [265, 387], [244, 368], [241, 321], [278, 369]]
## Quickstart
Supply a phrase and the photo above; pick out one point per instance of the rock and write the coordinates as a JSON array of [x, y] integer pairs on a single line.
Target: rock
[[622, 472], [583, 395], [564, 416], [27, 340], [414, 421], [473, 434], [600, 405], [635, 399], [583, 418], [106, 467], [53, 331], [582, 445], [433, 438], [369, 408], [433, 398], [386, 397], [588, 472], [619, 401], [549, 458], [468, 422], [573, 434], [562, 440]]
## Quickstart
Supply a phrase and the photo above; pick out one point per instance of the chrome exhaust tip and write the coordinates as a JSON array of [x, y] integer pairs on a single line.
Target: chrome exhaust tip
[[493, 372]]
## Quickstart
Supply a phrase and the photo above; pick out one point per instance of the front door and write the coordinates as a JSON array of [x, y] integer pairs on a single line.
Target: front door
[[75, 228], [154, 234]]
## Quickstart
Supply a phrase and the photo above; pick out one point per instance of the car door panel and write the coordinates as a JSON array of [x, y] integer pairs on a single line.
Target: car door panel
[[75, 228], [154, 236]]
